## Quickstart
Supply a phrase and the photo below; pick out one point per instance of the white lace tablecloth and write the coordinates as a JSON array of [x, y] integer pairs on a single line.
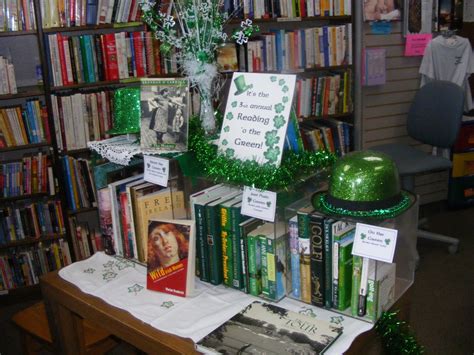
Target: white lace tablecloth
[[122, 284]]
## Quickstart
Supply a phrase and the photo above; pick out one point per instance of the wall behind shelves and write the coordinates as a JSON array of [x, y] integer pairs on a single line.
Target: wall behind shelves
[[385, 107], [25, 56]]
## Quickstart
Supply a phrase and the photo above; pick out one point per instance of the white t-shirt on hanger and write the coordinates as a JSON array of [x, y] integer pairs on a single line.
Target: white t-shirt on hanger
[[449, 59]]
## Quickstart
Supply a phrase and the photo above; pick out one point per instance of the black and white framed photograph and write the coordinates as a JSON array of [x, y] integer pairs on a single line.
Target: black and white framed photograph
[[164, 120], [420, 16]]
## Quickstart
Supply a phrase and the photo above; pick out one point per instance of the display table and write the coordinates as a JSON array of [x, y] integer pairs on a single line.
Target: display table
[[111, 292]]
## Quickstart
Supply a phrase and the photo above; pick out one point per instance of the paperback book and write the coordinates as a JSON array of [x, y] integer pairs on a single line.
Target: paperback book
[[263, 328], [170, 265]]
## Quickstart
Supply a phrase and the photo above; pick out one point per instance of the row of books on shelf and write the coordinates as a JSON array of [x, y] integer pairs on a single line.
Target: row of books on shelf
[[7, 77], [80, 189], [324, 272], [85, 240], [31, 220], [82, 117], [70, 13], [17, 15], [324, 95], [23, 267], [33, 174], [266, 9], [24, 124], [294, 50], [86, 58], [327, 134]]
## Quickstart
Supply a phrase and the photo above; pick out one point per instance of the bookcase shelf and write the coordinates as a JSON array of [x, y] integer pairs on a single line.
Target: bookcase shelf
[[98, 84], [81, 210], [25, 92], [23, 147], [37, 196], [114, 26], [29, 241], [18, 33], [279, 20]]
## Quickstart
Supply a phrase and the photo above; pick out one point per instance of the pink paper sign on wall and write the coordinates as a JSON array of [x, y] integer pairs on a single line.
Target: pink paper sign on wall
[[416, 43]]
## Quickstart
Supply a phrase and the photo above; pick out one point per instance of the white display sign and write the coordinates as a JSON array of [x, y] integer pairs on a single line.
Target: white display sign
[[256, 117], [375, 242], [157, 170], [259, 204]]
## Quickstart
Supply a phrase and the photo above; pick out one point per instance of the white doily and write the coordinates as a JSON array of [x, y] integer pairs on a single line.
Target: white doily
[[119, 149]]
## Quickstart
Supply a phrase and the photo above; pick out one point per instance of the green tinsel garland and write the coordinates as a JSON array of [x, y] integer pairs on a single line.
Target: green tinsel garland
[[293, 169], [396, 336]]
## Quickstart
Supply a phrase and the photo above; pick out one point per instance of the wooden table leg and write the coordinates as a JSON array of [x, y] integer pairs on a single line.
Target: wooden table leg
[[66, 329]]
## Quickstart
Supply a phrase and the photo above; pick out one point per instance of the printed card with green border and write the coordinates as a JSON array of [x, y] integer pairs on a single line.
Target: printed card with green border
[[256, 117]]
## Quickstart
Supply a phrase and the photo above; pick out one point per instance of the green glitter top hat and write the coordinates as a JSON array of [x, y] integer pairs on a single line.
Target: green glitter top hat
[[126, 111], [363, 184]]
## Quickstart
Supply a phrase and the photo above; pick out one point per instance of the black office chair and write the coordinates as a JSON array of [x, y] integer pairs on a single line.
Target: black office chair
[[434, 118]]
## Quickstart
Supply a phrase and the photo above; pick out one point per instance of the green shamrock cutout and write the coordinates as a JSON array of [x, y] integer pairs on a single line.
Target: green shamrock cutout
[[363, 235], [234, 104], [226, 129], [229, 116], [285, 99], [225, 142], [285, 89], [273, 78], [279, 107], [387, 241], [229, 152], [279, 121], [272, 154], [271, 138], [281, 82], [269, 203]]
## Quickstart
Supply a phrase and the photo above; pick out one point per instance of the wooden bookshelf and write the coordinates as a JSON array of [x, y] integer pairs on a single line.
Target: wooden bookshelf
[[97, 85], [30, 241], [18, 33], [36, 196], [81, 210], [24, 92], [130, 26], [20, 294], [24, 147]]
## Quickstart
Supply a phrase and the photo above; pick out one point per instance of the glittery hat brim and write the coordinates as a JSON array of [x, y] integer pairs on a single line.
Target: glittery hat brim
[[321, 204]]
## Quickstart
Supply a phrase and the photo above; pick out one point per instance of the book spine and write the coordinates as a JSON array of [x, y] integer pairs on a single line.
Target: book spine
[[271, 269], [262, 240], [304, 244], [294, 258], [214, 245], [345, 277], [201, 235], [227, 254], [327, 256], [356, 274], [255, 282], [317, 263], [237, 270]]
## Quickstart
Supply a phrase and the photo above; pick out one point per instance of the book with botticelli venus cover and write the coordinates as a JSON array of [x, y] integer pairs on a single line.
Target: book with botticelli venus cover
[[171, 256]]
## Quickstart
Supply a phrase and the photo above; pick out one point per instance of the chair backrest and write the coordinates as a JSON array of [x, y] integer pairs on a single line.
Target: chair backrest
[[436, 112]]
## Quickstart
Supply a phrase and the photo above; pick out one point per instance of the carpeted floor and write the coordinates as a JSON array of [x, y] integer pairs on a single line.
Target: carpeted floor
[[442, 307]]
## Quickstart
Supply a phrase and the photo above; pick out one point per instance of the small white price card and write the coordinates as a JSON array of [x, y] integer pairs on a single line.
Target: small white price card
[[375, 242], [157, 170], [259, 204]]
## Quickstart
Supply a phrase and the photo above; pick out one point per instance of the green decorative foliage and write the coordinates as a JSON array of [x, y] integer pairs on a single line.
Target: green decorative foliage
[[397, 337], [220, 167]]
